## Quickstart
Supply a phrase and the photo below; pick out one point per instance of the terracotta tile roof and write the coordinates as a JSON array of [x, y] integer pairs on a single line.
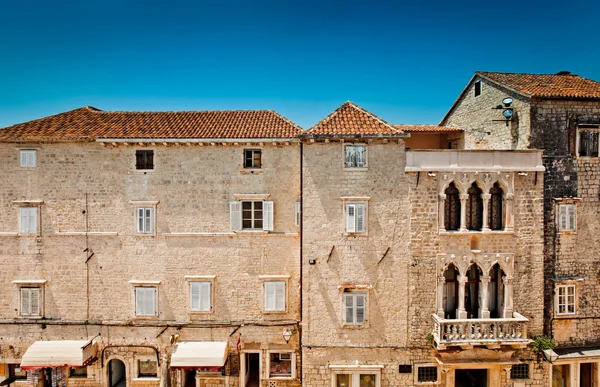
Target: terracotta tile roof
[[426, 129], [88, 123], [350, 120], [563, 86]]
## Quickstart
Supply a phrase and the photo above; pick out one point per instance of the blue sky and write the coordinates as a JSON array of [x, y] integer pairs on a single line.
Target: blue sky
[[404, 61]]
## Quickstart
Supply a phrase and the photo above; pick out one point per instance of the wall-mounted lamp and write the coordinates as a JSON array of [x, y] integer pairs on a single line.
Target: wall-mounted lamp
[[431, 174], [287, 334], [522, 173], [507, 110], [174, 338], [550, 355]]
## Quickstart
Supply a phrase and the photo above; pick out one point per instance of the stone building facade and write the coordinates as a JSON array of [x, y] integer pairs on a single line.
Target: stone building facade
[[559, 114], [142, 243], [390, 296]]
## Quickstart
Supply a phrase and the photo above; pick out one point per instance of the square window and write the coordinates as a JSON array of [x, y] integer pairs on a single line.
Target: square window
[[28, 158], [147, 368], [275, 296], [252, 158], [355, 306], [356, 379], [145, 301], [15, 371], [28, 220], [356, 217], [280, 365], [567, 217], [519, 371], [144, 159], [251, 215], [355, 156], [343, 380], [565, 299], [145, 220], [78, 372], [427, 374], [30, 302], [477, 89], [588, 142], [200, 296]]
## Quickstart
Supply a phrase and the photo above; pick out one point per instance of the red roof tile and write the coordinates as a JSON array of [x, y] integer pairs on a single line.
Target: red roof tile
[[426, 129], [563, 86], [352, 120], [89, 123]]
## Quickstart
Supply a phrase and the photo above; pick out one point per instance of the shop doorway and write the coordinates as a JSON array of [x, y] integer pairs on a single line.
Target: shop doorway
[[252, 369], [116, 373], [471, 378], [586, 375]]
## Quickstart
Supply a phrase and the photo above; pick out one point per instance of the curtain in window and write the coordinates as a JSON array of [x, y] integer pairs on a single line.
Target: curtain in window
[[474, 208], [452, 208], [495, 208]]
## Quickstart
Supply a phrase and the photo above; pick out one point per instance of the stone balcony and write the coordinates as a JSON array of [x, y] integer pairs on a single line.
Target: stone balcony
[[489, 332]]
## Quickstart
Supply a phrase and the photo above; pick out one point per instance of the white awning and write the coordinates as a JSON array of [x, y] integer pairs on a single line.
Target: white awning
[[200, 354], [59, 353]]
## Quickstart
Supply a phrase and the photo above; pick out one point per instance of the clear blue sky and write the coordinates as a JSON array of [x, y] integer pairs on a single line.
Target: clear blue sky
[[404, 61]]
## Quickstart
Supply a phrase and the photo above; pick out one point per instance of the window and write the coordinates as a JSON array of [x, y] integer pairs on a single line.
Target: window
[[298, 212], [144, 159], [356, 379], [477, 88], [495, 208], [251, 215], [565, 299], [200, 296], [145, 301], [519, 371], [147, 368], [588, 142], [451, 208], [78, 372], [474, 208], [274, 293], [28, 220], [355, 156], [567, 217], [354, 308], [281, 365], [356, 215], [31, 301], [15, 371], [145, 220], [427, 374], [252, 158], [27, 158]]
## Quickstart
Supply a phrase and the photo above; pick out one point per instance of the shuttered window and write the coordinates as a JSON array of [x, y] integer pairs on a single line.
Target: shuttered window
[[567, 217], [356, 214], [27, 158], [145, 300], [144, 159], [275, 295], [200, 296], [252, 158], [251, 215], [30, 302], [28, 220], [355, 156], [145, 220], [354, 308], [298, 212]]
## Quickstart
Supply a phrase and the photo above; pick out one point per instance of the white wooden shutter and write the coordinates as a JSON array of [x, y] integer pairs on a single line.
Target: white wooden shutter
[[23, 161], [33, 220], [298, 213], [360, 218], [140, 220], [150, 301], [24, 220], [31, 158], [562, 217], [235, 215], [280, 295], [204, 296], [572, 217], [348, 309], [25, 301], [139, 301], [268, 215], [269, 296], [350, 218], [35, 301], [360, 308], [195, 295]]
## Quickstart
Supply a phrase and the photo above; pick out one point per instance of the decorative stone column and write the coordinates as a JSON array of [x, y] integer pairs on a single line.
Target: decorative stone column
[[509, 214], [461, 312], [442, 213], [463, 211], [441, 281], [486, 212], [484, 311], [508, 296]]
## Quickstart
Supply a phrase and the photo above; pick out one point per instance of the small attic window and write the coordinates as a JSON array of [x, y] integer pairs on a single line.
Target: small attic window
[[477, 88]]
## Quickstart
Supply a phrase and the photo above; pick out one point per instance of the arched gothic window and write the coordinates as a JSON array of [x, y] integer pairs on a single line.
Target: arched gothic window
[[496, 210], [452, 208], [474, 208]]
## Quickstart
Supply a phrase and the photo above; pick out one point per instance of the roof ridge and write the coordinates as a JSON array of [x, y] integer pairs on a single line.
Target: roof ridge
[[516, 73], [184, 111], [381, 121], [51, 115], [286, 119]]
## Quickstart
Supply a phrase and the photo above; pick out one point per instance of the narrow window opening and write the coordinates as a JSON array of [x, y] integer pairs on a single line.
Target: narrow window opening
[[452, 208], [477, 88], [144, 159], [474, 208], [495, 208]]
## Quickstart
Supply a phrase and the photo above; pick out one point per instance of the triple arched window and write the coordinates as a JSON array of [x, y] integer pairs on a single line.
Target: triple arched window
[[479, 214]]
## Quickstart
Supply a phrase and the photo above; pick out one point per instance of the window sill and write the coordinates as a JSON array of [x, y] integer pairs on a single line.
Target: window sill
[[281, 378], [470, 232], [144, 170], [565, 315], [200, 312], [30, 317], [356, 169], [145, 379], [252, 171], [145, 235], [355, 326], [355, 234], [251, 231], [567, 232], [274, 311]]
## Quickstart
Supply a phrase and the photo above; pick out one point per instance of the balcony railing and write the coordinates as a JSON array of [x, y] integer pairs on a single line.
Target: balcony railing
[[491, 332]]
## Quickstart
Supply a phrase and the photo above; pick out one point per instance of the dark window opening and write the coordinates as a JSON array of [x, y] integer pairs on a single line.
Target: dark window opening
[[427, 374], [252, 158], [452, 208], [474, 208], [147, 368], [252, 215], [588, 142], [519, 371], [477, 88], [472, 291], [78, 372], [496, 210], [16, 372], [144, 159]]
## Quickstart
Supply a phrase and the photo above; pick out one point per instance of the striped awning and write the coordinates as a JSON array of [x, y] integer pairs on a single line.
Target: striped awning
[[200, 354], [59, 353]]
